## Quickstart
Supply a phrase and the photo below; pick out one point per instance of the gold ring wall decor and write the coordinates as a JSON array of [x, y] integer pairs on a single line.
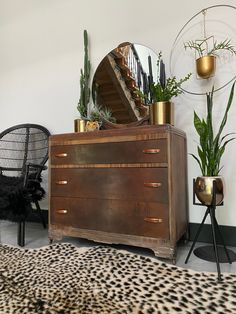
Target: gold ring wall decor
[[208, 26]]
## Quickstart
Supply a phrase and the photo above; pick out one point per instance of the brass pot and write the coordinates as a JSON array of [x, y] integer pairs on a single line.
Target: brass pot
[[204, 189], [162, 112], [79, 125], [206, 66]]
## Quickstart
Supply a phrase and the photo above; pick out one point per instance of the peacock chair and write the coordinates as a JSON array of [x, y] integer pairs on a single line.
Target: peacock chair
[[23, 155]]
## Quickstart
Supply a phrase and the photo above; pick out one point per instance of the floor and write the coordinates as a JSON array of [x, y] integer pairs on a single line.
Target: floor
[[36, 237]]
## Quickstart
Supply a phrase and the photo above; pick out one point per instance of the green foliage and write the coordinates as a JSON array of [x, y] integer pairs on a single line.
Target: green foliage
[[164, 89], [85, 81], [211, 146], [171, 89], [99, 113], [201, 47]]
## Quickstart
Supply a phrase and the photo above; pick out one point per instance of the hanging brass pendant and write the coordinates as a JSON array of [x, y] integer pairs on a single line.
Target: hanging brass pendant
[[206, 66], [204, 189], [162, 112]]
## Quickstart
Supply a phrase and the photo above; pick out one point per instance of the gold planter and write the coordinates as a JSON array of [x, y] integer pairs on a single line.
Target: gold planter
[[79, 125], [206, 66], [162, 112], [204, 189]]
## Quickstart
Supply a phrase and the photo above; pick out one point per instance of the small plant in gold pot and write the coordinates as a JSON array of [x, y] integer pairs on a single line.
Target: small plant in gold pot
[[205, 56], [210, 151], [162, 92]]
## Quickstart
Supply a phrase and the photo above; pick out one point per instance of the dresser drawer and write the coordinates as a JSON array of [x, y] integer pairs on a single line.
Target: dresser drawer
[[134, 218], [147, 184], [109, 153]]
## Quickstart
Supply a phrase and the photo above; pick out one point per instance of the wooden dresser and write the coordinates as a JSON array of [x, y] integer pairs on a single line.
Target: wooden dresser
[[126, 186]]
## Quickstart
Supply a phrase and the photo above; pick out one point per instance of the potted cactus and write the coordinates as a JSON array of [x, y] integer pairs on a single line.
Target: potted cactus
[[84, 100]]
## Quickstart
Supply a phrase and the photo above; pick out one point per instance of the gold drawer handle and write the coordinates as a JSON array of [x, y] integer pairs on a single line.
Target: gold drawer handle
[[61, 155], [61, 211], [152, 184], [153, 220], [61, 182], [151, 151]]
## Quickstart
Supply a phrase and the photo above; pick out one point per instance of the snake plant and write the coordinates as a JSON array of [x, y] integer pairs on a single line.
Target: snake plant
[[212, 144]]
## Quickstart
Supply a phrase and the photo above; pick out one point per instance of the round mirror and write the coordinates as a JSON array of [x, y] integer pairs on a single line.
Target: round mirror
[[122, 79]]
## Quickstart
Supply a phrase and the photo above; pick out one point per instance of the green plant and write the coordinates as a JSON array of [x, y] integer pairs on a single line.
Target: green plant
[[201, 47], [211, 145], [164, 89], [85, 81], [99, 113]]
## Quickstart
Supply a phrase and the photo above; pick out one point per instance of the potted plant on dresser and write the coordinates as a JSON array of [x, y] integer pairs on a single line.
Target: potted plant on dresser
[[210, 150], [161, 93], [205, 56], [85, 91]]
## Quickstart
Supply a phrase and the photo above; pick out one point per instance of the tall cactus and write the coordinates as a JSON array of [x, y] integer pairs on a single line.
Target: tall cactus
[[84, 81]]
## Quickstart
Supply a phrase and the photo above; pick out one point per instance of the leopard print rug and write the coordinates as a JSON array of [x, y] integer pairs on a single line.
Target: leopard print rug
[[62, 278]]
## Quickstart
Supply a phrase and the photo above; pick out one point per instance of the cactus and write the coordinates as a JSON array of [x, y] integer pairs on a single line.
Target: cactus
[[84, 81]]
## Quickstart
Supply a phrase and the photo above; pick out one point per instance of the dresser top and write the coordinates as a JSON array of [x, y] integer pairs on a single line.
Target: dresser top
[[145, 132]]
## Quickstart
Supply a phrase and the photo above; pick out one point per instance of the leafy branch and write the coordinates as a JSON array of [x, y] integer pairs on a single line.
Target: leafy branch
[[201, 47]]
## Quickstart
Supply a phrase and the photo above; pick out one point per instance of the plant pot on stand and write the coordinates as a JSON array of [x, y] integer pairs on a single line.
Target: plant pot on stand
[[209, 188], [210, 192], [203, 188]]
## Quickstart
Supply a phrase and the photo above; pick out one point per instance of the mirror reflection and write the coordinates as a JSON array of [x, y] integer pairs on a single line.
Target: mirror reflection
[[122, 72]]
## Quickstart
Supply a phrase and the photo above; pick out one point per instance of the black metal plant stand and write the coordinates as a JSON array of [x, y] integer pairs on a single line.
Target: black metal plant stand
[[214, 227]]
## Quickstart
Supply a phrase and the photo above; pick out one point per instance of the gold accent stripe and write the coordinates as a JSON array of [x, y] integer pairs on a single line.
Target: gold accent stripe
[[144, 165], [106, 139]]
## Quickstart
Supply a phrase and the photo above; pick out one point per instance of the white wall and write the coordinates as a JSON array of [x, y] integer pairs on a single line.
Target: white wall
[[42, 52]]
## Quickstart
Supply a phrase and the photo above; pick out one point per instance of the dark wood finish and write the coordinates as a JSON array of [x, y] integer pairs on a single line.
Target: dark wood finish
[[120, 186], [103, 153], [118, 216]]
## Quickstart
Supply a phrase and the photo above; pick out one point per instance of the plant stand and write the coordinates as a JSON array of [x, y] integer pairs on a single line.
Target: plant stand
[[220, 254]]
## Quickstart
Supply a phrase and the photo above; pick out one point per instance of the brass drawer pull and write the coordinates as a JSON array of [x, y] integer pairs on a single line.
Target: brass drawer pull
[[61, 211], [152, 184], [151, 151], [61, 182], [153, 220], [61, 155]]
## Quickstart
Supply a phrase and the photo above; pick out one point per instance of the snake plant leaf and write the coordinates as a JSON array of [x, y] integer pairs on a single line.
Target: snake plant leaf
[[231, 133], [198, 161], [209, 115], [223, 122], [198, 124]]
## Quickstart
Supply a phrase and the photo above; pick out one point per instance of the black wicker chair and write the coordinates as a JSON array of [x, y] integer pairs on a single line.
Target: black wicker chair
[[23, 154]]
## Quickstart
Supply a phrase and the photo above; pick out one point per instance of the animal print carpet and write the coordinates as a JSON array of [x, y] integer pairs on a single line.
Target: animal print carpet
[[62, 278]]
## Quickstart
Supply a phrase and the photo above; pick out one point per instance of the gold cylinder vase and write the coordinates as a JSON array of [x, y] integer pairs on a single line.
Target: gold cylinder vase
[[206, 66], [162, 112], [204, 190], [79, 125]]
